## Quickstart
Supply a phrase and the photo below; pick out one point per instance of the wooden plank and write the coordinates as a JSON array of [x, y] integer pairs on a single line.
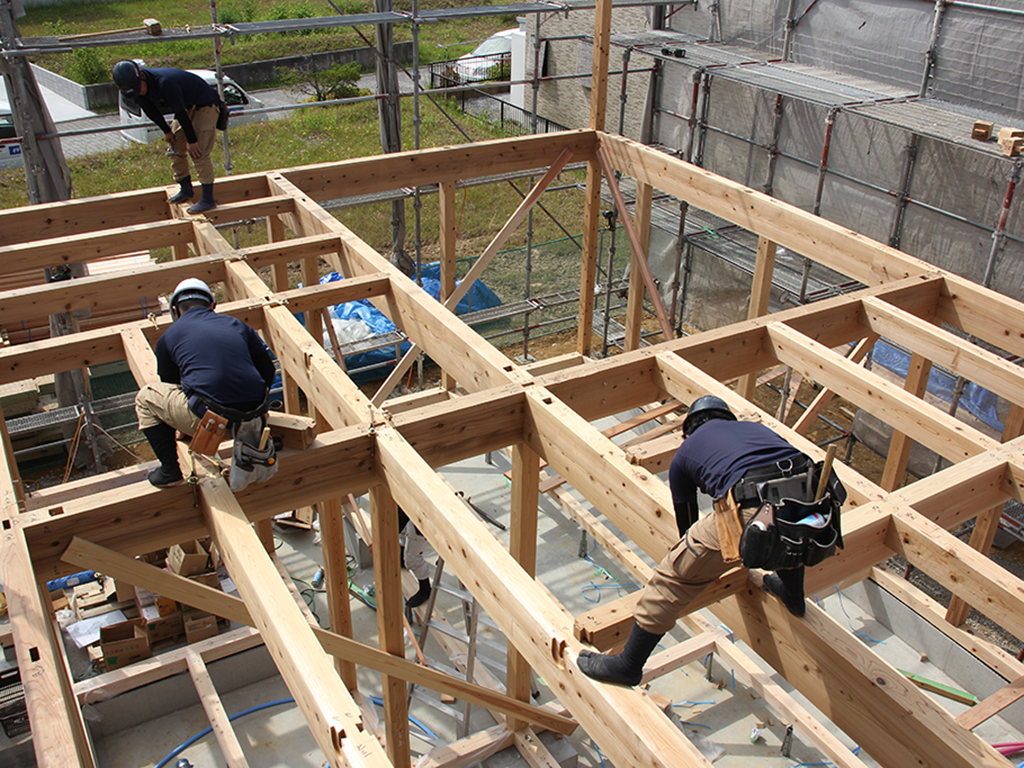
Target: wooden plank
[[75, 249], [993, 705], [635, 301], [250, 209], [899, 446], [924, 423], [964, 572], [330, 712], [105, 293], [946, 349], [760, 293], [639, 257], [387, 576], [637, 733], [523, 548], [49, 698], [339, 610], [824, 397], [230, 748], [469, 751], [588, 265], [218, 603], [681, 654], [448, 232]]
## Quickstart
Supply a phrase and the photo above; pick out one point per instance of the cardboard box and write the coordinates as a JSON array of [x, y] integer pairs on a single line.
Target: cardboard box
[[159, 628], [165, 606], [188, 559], [200, 627], [124, 643]]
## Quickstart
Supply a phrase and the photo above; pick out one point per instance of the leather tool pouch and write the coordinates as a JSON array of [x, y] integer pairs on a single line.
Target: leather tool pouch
[[222, 118], [211, 431], [729, 527], [788, 536]]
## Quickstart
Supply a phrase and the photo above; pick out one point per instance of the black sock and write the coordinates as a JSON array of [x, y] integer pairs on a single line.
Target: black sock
[[421, 596]]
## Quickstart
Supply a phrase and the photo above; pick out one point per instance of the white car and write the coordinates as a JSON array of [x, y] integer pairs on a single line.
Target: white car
[[485, 61], [10, 145], [143, 131]]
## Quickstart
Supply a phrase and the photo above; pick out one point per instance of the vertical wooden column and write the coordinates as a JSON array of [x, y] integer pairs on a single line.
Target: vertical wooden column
[[388, 580], [900, 445], [987, 523], [275, 234], [332, 542], [449, 233], [12, 493], [635, 302], [592, 208], [60, 735], [311, 276], [760, 294], [523, 547]]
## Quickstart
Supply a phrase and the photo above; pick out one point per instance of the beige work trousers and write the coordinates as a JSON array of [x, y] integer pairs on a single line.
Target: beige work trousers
[[162, 403], [204, 121], [691, 565]]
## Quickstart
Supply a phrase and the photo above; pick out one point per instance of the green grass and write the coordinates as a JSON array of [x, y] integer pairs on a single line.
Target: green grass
[[94, 64]]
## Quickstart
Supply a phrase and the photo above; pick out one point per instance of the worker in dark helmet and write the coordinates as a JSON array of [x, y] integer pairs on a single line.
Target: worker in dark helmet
[[205, 361], [719, 456], [197, 111]]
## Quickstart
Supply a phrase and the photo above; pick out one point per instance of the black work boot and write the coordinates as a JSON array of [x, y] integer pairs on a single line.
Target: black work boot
[[185, 191], [206, 202], [788, 586], [161, 438], [625, 668], [421, 596]]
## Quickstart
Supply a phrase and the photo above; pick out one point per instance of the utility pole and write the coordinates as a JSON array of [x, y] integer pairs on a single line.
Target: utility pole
[[390, 114]]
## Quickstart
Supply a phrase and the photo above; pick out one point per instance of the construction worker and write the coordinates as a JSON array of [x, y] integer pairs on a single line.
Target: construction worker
[[719, 454], [197, 110], [414, 544], [204, 361]]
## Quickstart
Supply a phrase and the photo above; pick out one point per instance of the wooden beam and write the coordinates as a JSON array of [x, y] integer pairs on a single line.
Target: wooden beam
[[81, 553], [825, 396], [339, 610], [924, 423], [523, 548], [230, 748], [635, 301], [448, 226], [250, 209], [75, 249], [993, 705], [451, 300], [899, 446], [760, 293], [387, 575], [588, 257], [471, 750], [330, 712]]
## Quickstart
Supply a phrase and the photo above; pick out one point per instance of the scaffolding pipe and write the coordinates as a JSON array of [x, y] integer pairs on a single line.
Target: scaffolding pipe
[[929, 55], [611, 215], [826, 147], [791, 22], [684, 206], [217, 43], [773, 149], [999, 235]]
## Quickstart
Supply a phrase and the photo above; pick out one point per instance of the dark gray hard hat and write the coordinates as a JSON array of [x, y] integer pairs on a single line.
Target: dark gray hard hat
[[126, 77], [705, 409]]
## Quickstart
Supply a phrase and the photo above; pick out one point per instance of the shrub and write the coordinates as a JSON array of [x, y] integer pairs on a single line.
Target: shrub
[[338, 82], [86, 67], [239, 13]]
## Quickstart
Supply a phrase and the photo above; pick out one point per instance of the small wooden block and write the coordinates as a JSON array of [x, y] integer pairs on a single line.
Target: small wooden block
[[982, 130], [1011, 147]]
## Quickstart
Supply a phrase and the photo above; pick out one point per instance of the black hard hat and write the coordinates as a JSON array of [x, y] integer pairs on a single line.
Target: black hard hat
[[126, 77], [704, 409]]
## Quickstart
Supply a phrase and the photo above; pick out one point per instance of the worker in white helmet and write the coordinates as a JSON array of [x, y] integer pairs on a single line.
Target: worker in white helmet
[[205, 361]]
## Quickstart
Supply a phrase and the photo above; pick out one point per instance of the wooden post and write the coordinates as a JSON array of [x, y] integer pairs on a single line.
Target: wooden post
[[987, 523], [388, 579], [760, 294], [228, 742], [523, 547], [635, 302], [449, 232], [900, 445], [332, 543]]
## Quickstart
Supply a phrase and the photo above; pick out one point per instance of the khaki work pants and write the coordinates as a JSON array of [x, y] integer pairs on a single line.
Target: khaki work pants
[[204, 120], [690, 566], [162, 403]]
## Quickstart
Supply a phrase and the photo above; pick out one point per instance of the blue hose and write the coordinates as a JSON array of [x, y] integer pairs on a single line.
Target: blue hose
[[189, 742], [380, 703]]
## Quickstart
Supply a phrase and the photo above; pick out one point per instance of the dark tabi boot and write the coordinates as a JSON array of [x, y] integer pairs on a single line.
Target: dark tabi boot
[[185, 191], [161, 438], [788, 586], [626, 667]]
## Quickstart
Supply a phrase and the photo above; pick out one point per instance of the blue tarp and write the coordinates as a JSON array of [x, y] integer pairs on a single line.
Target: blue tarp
[[981, 403], [479, 297]]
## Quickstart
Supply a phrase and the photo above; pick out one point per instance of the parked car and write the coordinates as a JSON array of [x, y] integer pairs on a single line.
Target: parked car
[[491, 60], [143, 131], [10, 146]]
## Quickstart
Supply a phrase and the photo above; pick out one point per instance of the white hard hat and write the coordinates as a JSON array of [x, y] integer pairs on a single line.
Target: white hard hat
[[191, 288]]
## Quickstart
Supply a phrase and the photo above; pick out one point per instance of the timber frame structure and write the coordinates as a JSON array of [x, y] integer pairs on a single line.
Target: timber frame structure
[[392, 450]]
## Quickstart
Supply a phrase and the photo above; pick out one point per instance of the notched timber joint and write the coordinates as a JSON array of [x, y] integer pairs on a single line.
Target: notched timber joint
[[558, 652]]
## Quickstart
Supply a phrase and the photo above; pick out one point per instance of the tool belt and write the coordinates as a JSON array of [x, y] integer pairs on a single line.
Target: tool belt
[[790, 528], [215, 421]]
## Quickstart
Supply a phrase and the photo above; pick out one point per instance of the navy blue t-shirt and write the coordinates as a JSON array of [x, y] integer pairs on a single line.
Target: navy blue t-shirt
[[175, 91], [216, 356], [716, 456]]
